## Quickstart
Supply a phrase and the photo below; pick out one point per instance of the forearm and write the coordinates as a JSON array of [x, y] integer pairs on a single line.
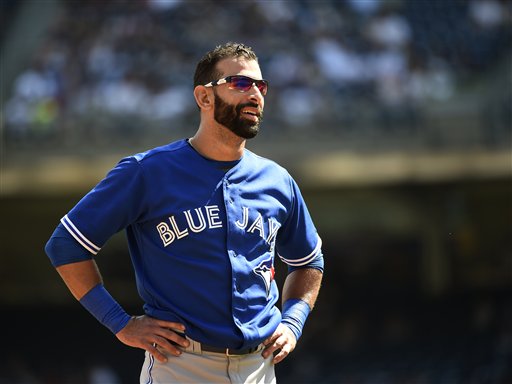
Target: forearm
[[300, 292], [80, 277], [84, 281], [303, 284]]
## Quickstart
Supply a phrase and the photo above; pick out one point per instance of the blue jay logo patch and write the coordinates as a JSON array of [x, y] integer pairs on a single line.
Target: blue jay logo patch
[[266, 271]]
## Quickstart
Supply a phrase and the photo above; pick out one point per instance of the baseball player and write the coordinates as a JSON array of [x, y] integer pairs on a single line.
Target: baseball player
[[205, 220]]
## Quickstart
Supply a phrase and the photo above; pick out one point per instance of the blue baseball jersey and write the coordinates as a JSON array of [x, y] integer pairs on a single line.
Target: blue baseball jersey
[[202, 236]]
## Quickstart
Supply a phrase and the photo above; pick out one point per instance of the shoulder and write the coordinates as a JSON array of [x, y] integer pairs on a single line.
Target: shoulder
[[261, 163], [154, 154], [152, 161], [273, 175]]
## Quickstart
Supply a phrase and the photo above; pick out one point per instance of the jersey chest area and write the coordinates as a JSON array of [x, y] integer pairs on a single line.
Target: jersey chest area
[[250, 214]]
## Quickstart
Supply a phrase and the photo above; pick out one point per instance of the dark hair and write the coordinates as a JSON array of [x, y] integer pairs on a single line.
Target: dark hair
[[206, 70]]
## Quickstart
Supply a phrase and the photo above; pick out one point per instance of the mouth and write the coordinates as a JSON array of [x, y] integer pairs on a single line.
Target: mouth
[[252, 114]]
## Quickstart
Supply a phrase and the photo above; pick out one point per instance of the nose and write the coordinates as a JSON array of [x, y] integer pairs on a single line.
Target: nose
[[256, 95]]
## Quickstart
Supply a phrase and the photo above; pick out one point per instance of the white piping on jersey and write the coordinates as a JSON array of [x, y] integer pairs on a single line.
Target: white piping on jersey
[[84, 241], [304, 260]]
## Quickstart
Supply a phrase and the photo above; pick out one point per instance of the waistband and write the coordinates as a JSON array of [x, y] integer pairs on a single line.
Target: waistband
[[197, 347]]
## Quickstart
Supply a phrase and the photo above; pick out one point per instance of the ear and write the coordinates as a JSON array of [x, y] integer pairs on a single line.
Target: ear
[[204, 98]]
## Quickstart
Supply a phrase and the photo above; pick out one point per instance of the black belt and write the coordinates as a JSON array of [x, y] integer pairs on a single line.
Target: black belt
[[228, 351], [225, 351]]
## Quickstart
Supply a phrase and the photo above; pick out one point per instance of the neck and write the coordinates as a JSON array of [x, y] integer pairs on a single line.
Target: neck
[[218, 143]]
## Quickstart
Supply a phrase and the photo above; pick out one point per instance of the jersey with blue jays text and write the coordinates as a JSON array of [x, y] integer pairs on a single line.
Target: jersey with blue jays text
[[202, 237]]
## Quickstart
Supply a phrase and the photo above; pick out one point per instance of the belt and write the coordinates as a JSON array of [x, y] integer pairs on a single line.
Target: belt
[[229, 351], [224, 351]]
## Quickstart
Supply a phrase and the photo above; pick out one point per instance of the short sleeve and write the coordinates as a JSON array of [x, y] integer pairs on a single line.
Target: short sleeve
[[115, 203], [298, 242]]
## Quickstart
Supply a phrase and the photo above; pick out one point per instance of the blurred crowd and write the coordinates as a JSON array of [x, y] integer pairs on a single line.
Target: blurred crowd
[[122, 67], [456, 340]]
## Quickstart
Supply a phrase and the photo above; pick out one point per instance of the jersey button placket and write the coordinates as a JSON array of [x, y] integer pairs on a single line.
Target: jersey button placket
[[237, 294], [227, 194]]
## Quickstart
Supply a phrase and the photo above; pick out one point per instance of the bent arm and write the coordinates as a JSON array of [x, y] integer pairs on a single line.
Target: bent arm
[[81, 275], [73, 262], [300, 292]]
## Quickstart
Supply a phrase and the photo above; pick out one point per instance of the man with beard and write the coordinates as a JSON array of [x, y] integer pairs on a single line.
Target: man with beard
[[204, 218]]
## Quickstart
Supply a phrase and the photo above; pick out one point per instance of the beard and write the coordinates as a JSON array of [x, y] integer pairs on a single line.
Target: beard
[[230, 116]]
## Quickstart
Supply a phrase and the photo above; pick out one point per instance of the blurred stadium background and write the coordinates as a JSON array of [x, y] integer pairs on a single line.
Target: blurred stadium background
[[394, 116]]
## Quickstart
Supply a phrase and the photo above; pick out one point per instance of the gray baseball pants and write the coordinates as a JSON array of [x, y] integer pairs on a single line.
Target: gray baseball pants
[[196, 366]]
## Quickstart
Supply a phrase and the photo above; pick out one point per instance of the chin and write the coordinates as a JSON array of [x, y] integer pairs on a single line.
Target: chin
[[248, 132]]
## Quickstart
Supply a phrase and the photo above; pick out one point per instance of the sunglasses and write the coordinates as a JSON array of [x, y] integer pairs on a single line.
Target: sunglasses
[[241, 83]]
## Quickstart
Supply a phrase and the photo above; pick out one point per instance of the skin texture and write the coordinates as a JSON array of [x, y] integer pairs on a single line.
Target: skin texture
[[218, 106]]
